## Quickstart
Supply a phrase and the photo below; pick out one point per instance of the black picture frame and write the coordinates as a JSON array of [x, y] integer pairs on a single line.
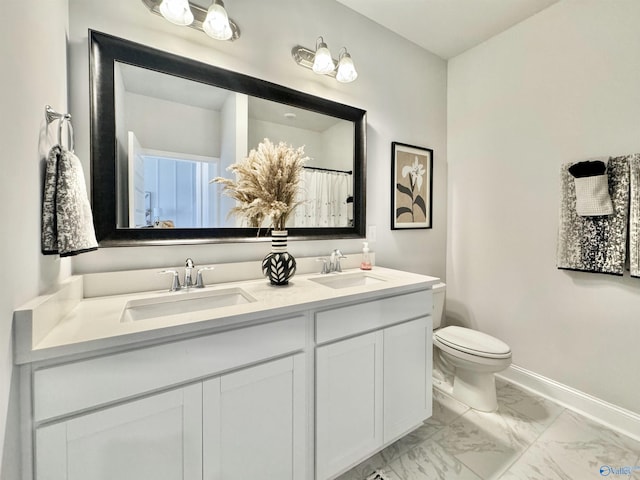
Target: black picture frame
[[411, 187]]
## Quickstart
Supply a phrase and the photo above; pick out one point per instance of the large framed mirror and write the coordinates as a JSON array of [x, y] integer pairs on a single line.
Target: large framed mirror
[[162, 126]]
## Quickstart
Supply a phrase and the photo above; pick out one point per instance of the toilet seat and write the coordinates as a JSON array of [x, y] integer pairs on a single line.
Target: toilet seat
[[472, 342]]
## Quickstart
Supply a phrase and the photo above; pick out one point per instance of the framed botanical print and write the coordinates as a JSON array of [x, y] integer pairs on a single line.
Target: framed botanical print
[[411, 186]]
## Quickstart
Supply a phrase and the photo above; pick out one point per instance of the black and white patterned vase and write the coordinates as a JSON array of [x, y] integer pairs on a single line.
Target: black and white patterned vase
[[279, 265]]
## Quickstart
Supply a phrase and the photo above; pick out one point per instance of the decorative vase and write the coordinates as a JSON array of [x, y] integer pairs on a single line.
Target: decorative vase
[[279, 265]]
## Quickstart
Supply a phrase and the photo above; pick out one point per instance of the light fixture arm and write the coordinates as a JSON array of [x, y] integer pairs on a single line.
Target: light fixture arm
[[199, 16], [304, 57]]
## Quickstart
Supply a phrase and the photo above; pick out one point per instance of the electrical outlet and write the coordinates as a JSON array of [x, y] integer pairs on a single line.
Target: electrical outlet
[[371, 233]]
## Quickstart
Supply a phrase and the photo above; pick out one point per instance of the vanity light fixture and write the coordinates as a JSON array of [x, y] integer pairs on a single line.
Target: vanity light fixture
[[214, 21], [216, 25], [346, 70], [321, 61], [177, 12]]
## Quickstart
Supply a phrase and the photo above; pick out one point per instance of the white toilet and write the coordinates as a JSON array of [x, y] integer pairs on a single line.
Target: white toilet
[[469, 356]]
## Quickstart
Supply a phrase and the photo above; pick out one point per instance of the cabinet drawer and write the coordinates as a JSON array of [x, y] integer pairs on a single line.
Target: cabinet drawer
[[353, 319], [77, 386]]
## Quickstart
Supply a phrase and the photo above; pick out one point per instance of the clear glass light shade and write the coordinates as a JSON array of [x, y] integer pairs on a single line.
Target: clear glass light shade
[[177, 11], [346, 70], [216, 25], [322, 62]]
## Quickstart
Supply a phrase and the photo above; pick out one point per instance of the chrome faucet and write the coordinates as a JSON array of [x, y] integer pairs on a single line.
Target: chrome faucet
[[334, 263], [188, 268], [188, 276]]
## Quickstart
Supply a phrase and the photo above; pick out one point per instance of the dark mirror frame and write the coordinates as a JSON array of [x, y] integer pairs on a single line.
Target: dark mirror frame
[[104, 50]]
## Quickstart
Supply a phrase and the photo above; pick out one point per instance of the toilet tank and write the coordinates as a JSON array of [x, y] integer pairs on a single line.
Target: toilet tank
[[438, 304]]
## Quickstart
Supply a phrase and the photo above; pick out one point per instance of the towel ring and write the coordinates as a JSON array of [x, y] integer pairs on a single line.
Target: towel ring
[[69, 132], [50, 115]]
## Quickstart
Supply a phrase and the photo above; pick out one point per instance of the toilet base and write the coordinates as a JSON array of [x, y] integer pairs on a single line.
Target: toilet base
[[475, 389]]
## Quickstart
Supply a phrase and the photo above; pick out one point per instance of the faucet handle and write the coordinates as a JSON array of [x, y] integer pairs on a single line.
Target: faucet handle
[[336, 255], [325, 265], [188, 263], [175, 284], [199, 281]]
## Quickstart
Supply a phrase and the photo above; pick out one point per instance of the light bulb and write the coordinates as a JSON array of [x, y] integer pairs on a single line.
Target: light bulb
[[322, 61], [177, 12], [216, 25], [346, 70]]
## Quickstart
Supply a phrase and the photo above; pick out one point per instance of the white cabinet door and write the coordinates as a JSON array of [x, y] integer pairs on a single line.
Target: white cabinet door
[[254, 422], [158, 437], [407, 369], [348, 406]]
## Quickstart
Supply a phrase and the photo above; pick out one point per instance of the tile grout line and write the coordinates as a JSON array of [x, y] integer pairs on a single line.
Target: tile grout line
[[531, 394], [387, 465], [529, 420], [438, 430], [535, 440]]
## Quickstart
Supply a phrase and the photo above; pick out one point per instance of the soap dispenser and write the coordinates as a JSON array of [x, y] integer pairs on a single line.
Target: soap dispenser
[[365, 263]]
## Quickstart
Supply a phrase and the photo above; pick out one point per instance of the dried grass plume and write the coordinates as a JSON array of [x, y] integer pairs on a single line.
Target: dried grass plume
[[267, 183]]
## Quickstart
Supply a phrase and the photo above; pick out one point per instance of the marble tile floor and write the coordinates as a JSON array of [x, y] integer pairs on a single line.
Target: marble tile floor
[[527, 438]]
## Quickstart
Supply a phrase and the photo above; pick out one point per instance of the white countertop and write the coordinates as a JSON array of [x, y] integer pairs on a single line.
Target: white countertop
[[93, 324]]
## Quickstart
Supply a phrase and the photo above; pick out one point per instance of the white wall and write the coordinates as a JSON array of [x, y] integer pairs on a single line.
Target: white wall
[[173, 127], [335, 155], [234, 135], [33, 66], [401, 107], [276, 133], [332, 148], [561, 86]]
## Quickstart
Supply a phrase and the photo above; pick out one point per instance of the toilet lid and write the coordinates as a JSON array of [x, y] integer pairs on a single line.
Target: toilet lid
[[473, 342]]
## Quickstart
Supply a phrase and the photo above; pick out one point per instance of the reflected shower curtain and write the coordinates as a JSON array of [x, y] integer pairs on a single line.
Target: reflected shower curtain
[[324, 196]]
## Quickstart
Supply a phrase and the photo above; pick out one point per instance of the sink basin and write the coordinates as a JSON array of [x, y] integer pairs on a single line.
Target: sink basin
[[346, 280], [175, 303]]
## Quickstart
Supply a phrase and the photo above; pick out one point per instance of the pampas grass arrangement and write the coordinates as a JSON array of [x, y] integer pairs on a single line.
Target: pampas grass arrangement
[[267, 184]]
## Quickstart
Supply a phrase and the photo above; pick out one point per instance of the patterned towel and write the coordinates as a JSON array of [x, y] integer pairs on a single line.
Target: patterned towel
[[634, 215], [595, 244], [67, 222]]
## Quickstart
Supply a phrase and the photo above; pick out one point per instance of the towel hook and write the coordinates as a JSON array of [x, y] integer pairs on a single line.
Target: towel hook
[[50, 115]]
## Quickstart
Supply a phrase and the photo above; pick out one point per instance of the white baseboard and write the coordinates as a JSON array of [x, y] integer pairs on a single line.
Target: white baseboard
[[612, 416]]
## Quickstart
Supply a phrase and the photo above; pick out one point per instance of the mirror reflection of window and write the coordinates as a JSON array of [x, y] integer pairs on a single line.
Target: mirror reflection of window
[[171, 190], [181, 195]]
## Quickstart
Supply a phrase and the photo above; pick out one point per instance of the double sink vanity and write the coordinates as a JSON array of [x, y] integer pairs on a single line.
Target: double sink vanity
[[236, 380]]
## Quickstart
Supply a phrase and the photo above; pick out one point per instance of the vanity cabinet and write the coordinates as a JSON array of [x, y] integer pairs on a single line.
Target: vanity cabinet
[[157, 437], [407, 377], [349, 407], [240, 413], [298, 392], [254, 422], [374, 387], [245, 424]]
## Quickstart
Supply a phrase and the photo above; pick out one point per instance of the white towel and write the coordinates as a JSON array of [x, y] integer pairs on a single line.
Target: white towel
[[592, 196], [67, 222]]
